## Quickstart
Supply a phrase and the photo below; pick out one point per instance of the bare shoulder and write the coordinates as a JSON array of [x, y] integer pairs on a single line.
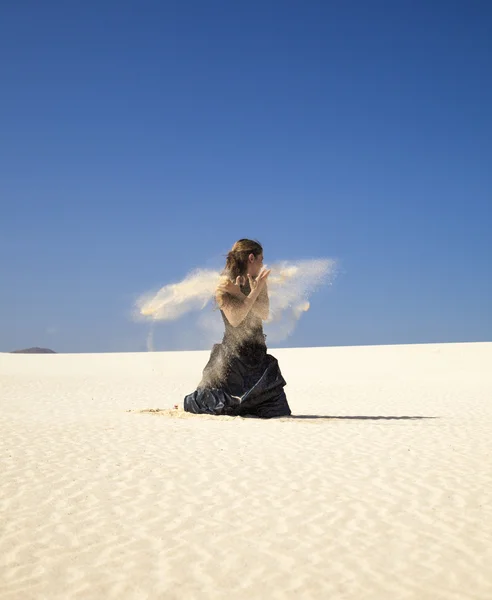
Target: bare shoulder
[[225, 299]]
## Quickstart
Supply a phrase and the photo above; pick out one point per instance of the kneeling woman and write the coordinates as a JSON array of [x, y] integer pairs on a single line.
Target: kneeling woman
[[240, 378]]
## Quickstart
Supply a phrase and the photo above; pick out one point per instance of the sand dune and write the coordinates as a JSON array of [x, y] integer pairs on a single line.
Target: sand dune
[[379, 488]]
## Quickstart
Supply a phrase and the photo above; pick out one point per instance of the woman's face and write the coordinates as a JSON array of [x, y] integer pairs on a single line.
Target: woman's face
[[255, 264]]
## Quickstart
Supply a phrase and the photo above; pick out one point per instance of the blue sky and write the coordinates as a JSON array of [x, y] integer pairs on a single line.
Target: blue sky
[[141, 139]]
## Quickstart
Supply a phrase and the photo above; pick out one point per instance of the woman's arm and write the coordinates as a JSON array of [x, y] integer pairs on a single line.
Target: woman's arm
[[236, 308], [262, 305], [235, 304]]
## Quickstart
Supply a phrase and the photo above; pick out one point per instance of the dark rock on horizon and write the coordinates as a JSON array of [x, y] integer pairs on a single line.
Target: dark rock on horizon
[[34, 351]]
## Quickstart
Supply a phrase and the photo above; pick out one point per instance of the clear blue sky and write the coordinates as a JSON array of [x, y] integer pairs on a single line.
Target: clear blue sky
[[141, 139]]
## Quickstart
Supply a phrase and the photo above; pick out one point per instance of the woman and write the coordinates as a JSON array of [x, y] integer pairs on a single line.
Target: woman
[[240, 378]]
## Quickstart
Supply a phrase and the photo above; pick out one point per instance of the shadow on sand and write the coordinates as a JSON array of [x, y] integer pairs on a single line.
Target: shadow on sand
[[369, 418], [181, 414]]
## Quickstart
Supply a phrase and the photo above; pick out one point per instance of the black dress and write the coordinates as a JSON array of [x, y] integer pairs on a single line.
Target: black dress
[[240, 378]]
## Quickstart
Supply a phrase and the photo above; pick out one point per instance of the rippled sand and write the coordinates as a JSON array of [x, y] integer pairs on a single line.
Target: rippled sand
[[379, 488]]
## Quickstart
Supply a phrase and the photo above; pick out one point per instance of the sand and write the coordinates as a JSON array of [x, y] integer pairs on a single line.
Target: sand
[[381, 488]]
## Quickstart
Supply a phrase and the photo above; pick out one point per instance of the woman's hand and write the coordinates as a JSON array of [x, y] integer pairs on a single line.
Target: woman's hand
[[260, 282], [226, 286], [237, 312]]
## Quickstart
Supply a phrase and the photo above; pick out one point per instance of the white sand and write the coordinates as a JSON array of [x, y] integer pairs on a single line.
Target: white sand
[[359, 502]]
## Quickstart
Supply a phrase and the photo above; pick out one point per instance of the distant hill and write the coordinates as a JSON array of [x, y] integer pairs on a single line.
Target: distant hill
[[34, 351]]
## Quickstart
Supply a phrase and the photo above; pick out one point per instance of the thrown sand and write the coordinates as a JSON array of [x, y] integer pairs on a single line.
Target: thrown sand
[[381, 488]]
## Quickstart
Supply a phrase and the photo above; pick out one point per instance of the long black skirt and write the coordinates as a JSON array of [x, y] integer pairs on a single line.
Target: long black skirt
[[243, 383]]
